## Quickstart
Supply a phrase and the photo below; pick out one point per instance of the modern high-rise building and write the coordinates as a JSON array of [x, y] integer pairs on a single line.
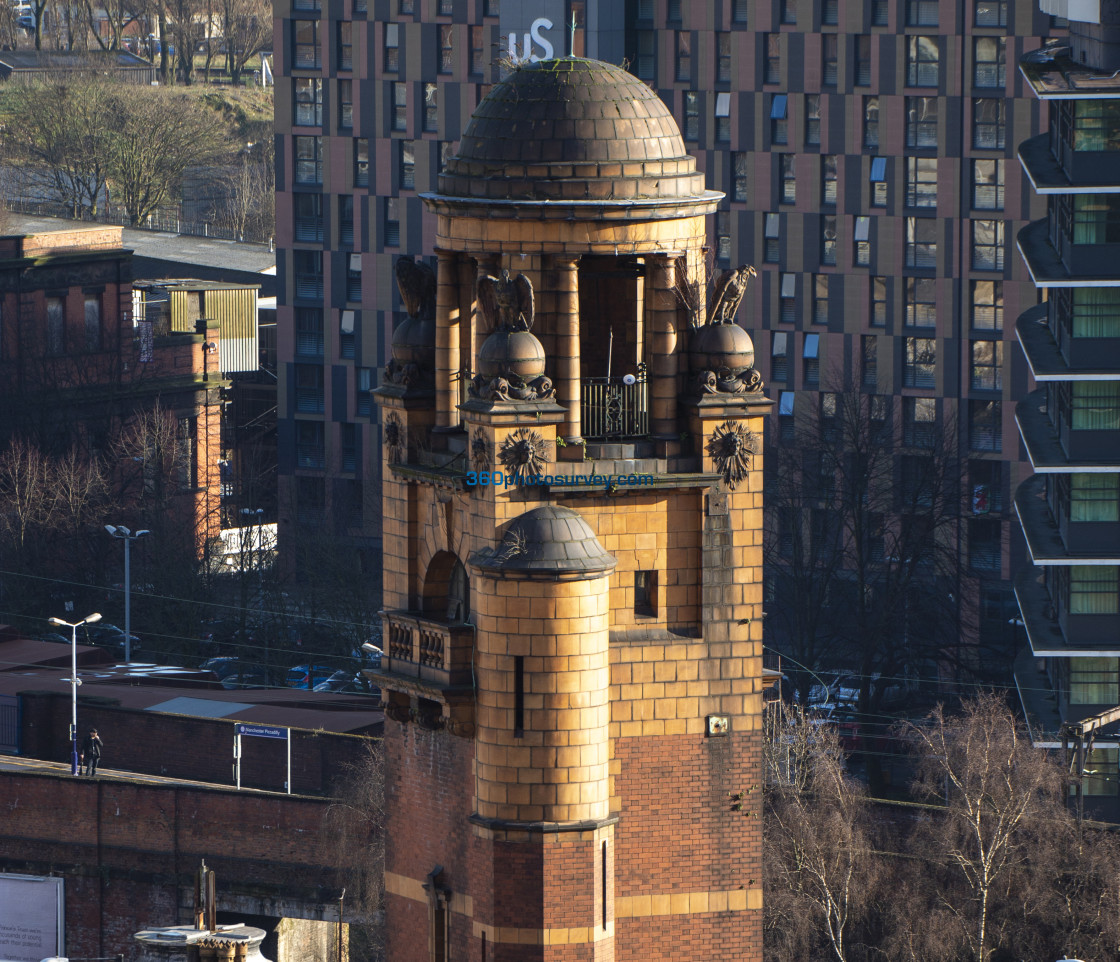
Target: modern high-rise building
[[865, 148], [1070, 509]]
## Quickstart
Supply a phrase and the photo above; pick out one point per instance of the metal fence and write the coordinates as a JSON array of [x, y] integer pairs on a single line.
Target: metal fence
[[614, 407]]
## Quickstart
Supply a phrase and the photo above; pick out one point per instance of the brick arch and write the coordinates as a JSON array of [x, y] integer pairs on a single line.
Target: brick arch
[[446, 592]]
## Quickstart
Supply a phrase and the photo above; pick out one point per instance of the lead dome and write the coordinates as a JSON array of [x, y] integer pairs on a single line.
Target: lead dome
[[568, 130]]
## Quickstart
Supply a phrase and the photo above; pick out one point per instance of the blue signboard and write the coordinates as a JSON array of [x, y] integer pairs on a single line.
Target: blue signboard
[[261, 731]]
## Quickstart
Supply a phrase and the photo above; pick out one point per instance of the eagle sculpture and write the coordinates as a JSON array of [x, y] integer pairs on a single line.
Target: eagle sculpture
[[417, 283], [507, 303]]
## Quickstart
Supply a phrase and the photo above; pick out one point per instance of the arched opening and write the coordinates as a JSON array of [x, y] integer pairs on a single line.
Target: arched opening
[[447, 589]]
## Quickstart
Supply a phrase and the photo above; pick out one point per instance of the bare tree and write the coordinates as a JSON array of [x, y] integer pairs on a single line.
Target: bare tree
[[995, 784], [188, 29], [87, 135], [58, 130], [119, 15], [157, 136], [247, 29], [1068, 897], [250, 208], [821, 865], [355, 824], [862, 521], [24, 498]]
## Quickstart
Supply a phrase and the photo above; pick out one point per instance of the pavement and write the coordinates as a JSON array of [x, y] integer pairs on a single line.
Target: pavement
[[37, 766]]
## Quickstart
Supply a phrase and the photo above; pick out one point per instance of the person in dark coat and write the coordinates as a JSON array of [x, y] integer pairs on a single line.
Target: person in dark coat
[[91, 751]]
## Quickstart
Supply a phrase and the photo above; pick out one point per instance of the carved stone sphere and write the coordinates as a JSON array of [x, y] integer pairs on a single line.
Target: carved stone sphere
[[414, 342], [516, 354], [722, 347]]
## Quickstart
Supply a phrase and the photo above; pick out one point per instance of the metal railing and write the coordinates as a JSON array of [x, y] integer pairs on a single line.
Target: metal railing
[[614, 407]]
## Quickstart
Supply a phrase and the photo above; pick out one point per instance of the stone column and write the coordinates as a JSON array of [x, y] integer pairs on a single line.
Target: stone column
[[467, 328], [566, 268], [662, 313], [447, 341]]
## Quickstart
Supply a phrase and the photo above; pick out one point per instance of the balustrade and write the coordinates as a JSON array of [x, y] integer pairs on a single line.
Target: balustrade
[[432, 650]]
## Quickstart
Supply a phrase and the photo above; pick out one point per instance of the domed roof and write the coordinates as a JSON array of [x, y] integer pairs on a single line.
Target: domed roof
[[549, 541], [572, 129]]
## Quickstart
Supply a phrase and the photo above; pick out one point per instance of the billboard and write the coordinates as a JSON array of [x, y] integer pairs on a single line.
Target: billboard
[[30, 917]]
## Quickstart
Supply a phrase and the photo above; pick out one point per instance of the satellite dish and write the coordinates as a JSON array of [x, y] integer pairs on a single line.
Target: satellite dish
[[629, 379]]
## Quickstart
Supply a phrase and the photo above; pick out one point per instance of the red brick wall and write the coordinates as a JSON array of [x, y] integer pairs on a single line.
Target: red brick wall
[[678, 832], [429, 792], [126, 849], [181, 747]]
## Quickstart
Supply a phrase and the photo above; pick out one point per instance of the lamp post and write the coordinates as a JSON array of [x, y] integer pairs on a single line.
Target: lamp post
[[120, 531], [74, 681]]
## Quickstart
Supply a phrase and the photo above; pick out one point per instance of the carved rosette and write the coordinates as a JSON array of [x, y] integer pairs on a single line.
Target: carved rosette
[[394, 438], [480, 451], [731, 446], [524, 453]]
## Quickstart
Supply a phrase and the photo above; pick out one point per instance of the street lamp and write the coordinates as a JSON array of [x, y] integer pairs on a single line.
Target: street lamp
[[75, 681], [120, 531]]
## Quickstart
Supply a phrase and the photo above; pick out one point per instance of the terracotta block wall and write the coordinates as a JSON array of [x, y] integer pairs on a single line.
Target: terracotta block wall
[[556, 770]]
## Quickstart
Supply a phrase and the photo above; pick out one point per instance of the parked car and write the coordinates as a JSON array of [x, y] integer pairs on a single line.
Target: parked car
[[245, 678], [347, 682], [222, 666], [26, 22], [109, 636], [307, 676]]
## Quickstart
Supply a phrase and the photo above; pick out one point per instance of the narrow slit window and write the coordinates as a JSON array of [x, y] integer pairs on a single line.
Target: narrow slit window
[[604, 879], [518, 696]]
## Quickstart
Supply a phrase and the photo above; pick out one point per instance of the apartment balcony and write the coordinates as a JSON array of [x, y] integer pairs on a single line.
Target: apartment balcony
[[1041, 705], [1098, 169], [1077, 358], [1096, 263], [1049, 450], [1060, 541]]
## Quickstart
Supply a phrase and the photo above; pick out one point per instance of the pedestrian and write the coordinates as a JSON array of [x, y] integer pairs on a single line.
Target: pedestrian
[[91, 751]]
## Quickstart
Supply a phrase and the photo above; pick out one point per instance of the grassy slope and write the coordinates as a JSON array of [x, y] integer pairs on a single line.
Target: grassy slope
[[247, 110]]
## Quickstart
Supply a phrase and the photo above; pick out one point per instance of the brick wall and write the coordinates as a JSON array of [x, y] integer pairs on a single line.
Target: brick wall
[[683, 848], [127, 850], [59, 241], [428, 799], [184, 747]]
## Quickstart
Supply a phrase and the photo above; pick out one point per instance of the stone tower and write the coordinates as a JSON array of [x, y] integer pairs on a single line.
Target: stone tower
[[573, 548]]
